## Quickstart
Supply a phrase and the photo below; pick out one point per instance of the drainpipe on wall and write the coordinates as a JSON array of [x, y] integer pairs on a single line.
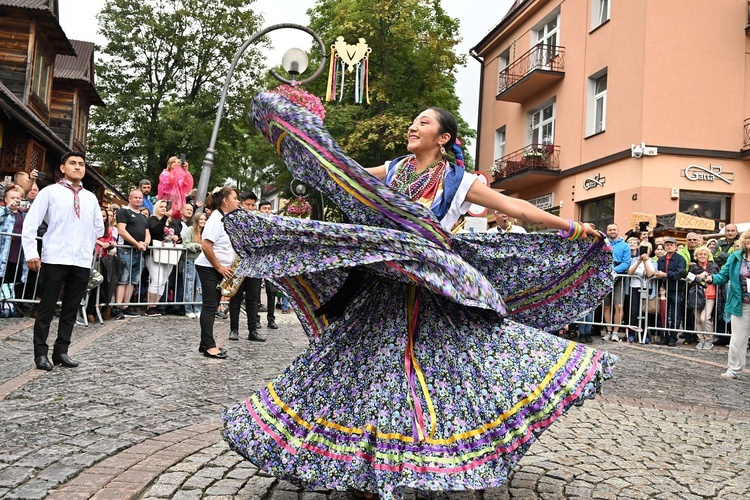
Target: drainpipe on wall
[[473, 54]]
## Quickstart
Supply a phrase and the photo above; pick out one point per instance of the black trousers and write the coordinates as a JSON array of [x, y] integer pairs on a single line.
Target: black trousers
[[250, 291], [271, 300], [56, 277], [210, 278]]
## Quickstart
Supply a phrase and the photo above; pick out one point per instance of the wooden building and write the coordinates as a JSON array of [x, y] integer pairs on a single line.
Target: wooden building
[[46, 92]]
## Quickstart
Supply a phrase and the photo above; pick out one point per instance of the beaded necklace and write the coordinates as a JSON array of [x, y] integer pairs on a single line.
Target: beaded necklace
[[414, 184]]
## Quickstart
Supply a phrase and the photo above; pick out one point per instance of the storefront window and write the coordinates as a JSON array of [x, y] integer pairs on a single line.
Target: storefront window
[[714, 206], [600, 212]]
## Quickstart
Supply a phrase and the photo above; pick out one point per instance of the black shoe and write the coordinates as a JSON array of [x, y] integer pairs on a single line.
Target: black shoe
[[42, 363], [672, 343], [234, 335], [588, 339], [664, 341], [254, 337], [262, 308], [203, 349], [220, 355], [152, 311], [257, 325], [272, 325], [278, 305], [64, 360], [117, 313], [221, 315], [129, 313]]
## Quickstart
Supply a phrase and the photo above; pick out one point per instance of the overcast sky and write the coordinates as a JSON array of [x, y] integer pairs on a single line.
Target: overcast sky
[[78, 19]]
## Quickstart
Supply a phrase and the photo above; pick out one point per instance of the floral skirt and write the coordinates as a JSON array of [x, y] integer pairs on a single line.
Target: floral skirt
[[446, 398]]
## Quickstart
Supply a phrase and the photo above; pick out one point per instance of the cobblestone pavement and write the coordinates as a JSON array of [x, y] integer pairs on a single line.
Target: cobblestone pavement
[[139, 419]]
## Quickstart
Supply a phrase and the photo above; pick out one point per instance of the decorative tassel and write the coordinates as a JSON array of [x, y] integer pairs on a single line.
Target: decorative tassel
[[331, 87]]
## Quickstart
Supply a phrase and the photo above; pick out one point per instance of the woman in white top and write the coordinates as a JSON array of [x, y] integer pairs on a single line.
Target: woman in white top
[[213, 264], [641, 268]]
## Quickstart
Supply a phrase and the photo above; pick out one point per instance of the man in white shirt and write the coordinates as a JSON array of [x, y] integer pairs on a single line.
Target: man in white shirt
[[74, 222], [504, 225]]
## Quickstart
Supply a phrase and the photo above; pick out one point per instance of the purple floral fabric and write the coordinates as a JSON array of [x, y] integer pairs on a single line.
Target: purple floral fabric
[[425, 380]]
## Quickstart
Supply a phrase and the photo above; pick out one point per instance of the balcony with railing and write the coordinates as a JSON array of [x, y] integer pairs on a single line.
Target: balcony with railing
[[746, 142], [534, 71], [526, 166]]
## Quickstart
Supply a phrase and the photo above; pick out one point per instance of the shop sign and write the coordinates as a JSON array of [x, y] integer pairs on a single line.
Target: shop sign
[[636, 217], [714, 172], [544, 202], [592, 182], [692, 222]]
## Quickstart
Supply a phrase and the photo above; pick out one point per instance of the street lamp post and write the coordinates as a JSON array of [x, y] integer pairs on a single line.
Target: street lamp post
[[294, 62]]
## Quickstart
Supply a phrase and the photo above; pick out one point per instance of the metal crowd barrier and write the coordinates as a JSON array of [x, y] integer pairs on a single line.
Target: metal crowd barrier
[[673, 315], [23, 290], [634, 322]]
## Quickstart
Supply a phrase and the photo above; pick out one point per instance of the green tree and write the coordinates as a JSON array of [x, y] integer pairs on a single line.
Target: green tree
[[163, 69], [412, 67]]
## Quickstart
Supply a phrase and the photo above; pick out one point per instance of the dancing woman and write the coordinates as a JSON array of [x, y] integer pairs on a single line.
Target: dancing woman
[[415, 376]]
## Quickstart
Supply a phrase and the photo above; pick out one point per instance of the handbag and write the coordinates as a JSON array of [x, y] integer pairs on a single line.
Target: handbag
[[696, 298], [162, 253], [652, 303]]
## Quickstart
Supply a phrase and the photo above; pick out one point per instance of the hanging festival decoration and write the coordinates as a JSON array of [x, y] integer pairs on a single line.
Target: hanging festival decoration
[[347, 58]]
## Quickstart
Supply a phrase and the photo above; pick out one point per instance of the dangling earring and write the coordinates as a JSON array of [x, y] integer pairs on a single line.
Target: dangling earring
[[442, 151]]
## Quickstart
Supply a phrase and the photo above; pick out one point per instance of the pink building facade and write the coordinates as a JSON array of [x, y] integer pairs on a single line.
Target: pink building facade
[[601, 109]]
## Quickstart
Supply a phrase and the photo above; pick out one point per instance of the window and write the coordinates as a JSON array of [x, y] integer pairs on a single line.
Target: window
[[706, 205], [599, 212], [599, 13], [82, 126], [547, 40], [503, 62], [499, 143], [596, 116], [542, 125], [40, 83]]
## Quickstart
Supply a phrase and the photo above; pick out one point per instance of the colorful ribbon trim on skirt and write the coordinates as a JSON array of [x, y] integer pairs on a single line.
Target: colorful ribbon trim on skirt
[[413, 371]]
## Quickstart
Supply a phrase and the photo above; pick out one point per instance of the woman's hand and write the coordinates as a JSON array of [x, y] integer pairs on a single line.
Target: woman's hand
[[588, 230]]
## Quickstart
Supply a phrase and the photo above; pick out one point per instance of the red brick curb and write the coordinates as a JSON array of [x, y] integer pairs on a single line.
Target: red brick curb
[[24, 378], [127, 474], [12, 330]]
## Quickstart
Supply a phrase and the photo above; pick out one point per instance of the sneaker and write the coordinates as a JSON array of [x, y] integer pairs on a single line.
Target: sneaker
[[117, 313], [234, 335], [130, 313], [191, 315], [631, 339], [615, 337], [699, 345], [672, 343], [262, 309], [708, 345], [729, 374], [607, 336], [152, 311], [221, 315]]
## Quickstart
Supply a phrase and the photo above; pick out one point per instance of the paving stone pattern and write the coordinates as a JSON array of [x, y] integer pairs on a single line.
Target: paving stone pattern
[[139, 419]]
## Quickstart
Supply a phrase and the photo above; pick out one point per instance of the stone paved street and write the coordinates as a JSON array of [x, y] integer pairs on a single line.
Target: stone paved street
[[139, 419]]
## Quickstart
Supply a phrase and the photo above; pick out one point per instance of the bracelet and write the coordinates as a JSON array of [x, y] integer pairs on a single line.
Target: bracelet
[[574, 232]]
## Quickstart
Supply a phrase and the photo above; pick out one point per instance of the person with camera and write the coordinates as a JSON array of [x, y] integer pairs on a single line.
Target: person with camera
[[12, 270], [74, 222], [175, 182], [703, 310], [641, 268], [158, 271]]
